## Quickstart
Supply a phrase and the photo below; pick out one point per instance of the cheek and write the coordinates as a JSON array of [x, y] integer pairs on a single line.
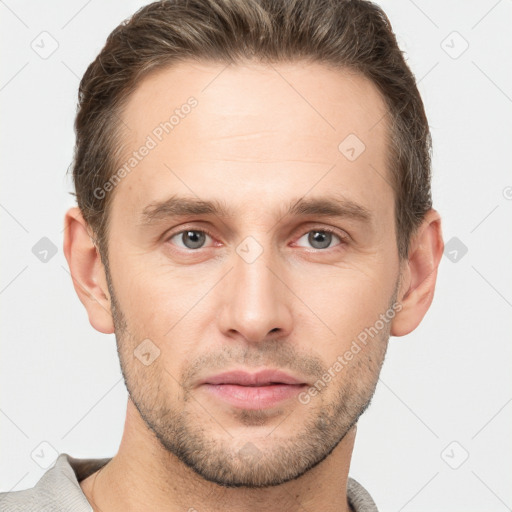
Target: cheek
[[339, 316], [167, 305], [142, 294], [347, 301]]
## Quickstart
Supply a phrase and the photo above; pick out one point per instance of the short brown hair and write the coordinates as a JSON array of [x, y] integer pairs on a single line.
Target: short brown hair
[[353, 34]]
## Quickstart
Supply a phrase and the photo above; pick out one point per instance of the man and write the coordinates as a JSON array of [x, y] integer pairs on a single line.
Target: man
[[254, 221]]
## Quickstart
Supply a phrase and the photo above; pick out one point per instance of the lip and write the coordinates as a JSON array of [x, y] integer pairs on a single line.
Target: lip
[[260, 378], [253, 397], [260, 390]]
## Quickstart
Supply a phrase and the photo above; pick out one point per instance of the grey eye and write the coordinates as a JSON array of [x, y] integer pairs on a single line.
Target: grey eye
[[319, 239], [191, 238]]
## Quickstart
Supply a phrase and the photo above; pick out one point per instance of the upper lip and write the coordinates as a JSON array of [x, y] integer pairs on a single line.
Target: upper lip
[[243, 378]]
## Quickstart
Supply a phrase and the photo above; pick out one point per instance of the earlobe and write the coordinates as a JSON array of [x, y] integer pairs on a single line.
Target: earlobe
[[419, 275], [87, 271]]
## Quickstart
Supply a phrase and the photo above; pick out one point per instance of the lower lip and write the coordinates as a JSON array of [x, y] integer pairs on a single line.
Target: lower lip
[[254, 397]]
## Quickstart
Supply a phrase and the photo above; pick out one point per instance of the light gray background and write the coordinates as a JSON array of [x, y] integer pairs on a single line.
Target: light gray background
[[449, 381]]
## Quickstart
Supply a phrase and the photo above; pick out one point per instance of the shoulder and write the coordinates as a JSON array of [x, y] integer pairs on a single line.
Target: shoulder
[[57, 490], [359, 498]]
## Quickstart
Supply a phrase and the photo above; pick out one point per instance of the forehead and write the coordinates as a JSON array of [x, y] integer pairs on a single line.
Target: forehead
[[271, 127]]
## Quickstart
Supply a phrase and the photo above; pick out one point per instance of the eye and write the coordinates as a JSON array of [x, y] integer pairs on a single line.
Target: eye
[[321, 238], [190, 238], [193, 239]]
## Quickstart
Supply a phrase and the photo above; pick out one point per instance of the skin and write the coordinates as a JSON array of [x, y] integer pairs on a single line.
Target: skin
[[261, 137]]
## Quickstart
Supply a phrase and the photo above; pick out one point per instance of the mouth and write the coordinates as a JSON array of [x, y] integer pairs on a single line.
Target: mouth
[[264, 389], [266, 377]]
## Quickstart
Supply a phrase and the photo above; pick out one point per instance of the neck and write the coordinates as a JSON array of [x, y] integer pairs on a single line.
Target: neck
[[144, 476]]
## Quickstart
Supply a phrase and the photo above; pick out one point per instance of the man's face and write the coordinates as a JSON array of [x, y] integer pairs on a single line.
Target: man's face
[[253, 287]]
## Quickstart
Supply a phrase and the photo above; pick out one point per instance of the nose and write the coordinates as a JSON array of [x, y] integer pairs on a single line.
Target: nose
[[256, 304]]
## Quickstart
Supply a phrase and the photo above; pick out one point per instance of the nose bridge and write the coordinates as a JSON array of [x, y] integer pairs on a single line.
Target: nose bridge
[[254, 279], [255, 303]]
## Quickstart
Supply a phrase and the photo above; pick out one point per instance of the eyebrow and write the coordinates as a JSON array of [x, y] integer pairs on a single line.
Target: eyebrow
[[177, 206]]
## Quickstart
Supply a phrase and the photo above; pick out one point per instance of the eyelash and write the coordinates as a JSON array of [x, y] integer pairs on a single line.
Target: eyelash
[[343, 238]]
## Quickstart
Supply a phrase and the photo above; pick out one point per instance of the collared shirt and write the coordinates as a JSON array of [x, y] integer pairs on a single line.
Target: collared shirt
[[58, 490]]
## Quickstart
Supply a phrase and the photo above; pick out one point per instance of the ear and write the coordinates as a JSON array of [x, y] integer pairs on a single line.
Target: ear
[[87, 271], [419, 274]]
